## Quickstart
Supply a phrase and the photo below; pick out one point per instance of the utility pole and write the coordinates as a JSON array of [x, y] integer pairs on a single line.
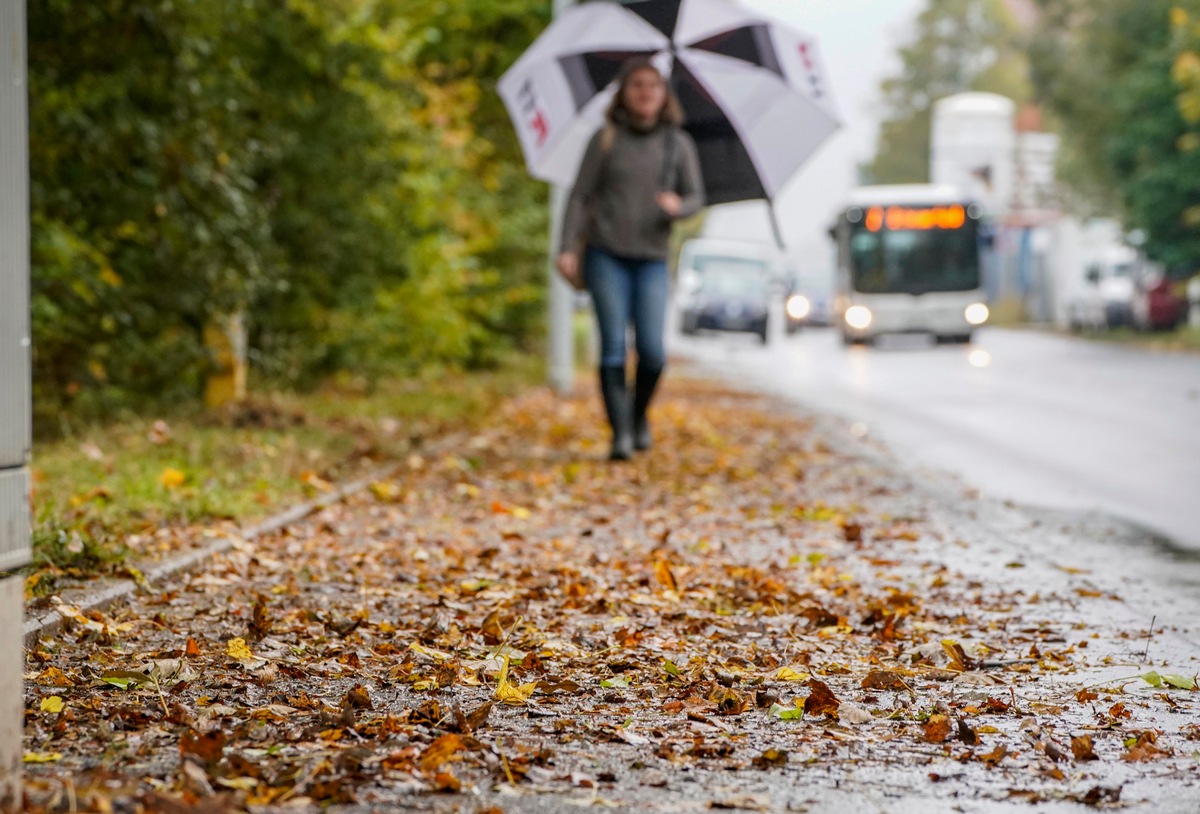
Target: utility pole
[[15, 417], [561, 339]]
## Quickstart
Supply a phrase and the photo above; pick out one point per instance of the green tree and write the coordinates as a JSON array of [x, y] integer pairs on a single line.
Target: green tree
[[958, 46], [341, 172], [1105, 68]]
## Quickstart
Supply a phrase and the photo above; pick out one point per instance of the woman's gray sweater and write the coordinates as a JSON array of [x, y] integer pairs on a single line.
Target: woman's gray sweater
[[612, 204]]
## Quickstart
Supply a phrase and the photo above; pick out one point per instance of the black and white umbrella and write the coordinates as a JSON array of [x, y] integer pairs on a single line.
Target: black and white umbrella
[[757, 99]]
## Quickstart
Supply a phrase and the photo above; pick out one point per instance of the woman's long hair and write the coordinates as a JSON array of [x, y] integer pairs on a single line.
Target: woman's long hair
[[672, 110]]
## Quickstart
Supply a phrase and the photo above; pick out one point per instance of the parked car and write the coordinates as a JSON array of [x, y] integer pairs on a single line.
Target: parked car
[[1105, 300], [1159, 302]]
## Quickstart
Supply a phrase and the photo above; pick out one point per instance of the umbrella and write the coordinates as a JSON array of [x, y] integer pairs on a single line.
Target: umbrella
[[756, 97]]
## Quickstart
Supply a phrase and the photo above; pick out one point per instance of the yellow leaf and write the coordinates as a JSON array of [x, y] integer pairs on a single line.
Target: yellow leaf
[[238, 650], [42, 757], [506, 693], [436, 655], [788, 674], [385, 490], [521, 513], [111, 278], [172, 478], [664, 575], [54, 704]]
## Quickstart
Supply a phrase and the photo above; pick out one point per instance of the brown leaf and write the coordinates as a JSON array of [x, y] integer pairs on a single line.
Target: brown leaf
[[772, 758], [191, 649], [260, 622], [1084, 696], [439, 752], [994, 757], [1118, 710], [937, 728], [821, 700], [207, 748], [357, 697], [883, 680], [1083, 749], [966, 734], [1145, 749], [478, 718]]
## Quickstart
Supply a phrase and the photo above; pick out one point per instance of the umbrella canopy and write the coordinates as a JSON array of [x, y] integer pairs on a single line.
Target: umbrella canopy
[[756, 97]]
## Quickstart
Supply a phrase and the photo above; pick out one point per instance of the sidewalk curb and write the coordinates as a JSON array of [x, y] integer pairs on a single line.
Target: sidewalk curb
[[51, 622]]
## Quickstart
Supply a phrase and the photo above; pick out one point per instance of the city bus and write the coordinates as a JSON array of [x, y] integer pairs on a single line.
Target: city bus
[[909, 260]]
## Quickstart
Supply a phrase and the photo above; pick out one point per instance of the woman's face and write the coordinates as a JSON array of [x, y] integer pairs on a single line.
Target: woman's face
[[645, 94]]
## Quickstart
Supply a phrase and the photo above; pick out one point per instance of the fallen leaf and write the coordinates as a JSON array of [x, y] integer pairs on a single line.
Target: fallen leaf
[[821, 700], [53, 704], [42, 757], [883, 680], [507, 693], [237, 650], [937, 728], [438, 753], [1083, 748]]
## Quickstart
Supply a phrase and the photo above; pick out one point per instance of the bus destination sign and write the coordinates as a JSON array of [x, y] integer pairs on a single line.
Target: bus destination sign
[[908, 219]]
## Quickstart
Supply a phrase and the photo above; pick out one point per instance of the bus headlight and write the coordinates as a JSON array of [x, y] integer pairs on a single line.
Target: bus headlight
[[858, 317], [976, 314], [798, 307]]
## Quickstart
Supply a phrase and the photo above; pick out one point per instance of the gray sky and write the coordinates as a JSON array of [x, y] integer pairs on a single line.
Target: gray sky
[[858, 39]]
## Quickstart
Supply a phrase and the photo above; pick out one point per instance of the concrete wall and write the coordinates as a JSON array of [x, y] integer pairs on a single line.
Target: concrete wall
[[14, 387]]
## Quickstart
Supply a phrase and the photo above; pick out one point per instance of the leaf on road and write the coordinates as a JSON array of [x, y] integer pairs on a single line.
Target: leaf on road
[[507, 693], [1083, 748], [42, 757], [789, 674], [664, 575], [937, 728], [207, 748], [821, 700], [786, 713], [440, 752], [884, 680], [238, 650]]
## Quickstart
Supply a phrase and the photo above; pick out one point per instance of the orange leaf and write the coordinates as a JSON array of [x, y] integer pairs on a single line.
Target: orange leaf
[[937, 728], [440, 752]]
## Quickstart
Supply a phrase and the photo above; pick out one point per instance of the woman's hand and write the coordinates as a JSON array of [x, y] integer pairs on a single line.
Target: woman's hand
[[669, 202], [568, 267]]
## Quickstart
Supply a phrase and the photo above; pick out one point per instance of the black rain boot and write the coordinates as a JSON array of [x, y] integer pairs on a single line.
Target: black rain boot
[[616, 404], [643, 392]]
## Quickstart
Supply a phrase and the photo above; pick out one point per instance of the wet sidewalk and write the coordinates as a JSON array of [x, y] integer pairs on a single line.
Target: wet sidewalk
[[762, 614]]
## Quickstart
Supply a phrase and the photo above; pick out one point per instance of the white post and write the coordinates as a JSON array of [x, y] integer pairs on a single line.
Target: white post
[[14, 390], [561, 339]]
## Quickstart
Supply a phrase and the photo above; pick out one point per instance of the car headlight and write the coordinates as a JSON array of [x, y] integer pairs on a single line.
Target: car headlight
[[798, 307], [858, 317], [976, 314]]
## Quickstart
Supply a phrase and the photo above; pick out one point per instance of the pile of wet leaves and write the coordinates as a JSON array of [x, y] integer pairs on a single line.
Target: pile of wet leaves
[[747, 617]]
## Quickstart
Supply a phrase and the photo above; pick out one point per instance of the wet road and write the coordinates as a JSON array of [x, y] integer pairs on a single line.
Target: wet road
[[1047, 421]]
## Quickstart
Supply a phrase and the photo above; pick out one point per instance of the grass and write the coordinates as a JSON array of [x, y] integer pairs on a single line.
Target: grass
[[111, 496]]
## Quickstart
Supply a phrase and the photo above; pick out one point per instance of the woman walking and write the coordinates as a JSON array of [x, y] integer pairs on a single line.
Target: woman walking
[[640, 174]]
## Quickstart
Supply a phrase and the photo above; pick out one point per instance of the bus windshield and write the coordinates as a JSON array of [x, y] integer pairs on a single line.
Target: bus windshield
[[914, 261]]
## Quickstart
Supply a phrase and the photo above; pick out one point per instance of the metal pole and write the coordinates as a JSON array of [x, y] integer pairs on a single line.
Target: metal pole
[[561, 340], [14, 390]]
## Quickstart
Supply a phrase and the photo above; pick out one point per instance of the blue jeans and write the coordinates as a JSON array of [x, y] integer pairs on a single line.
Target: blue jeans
[[626, 289]]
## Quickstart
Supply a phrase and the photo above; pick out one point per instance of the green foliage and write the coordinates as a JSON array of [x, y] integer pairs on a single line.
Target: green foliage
[[1105, 68], [958, 46], [340, 172]]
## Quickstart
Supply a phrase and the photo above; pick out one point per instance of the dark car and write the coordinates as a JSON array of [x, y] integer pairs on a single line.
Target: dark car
[[808, 301], [728, 302], [1159, 303]]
